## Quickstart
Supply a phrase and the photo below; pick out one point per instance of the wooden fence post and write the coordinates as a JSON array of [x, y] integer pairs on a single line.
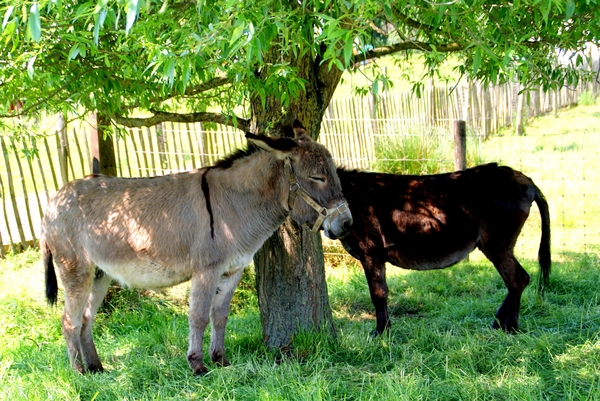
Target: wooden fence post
[[162, 149], [373, 106], [103, 149], [432, 109], [63, 148], [520, 113], [13, 198], [460, 145], [202, 146]]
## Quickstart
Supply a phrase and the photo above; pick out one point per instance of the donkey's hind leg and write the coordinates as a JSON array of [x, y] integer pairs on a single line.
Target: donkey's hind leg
[[204, 285], [516, 279], [219, 313], [99, 289], [77, 281]]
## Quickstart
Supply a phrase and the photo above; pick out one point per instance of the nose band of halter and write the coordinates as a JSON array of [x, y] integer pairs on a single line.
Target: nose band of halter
[[296, 189]]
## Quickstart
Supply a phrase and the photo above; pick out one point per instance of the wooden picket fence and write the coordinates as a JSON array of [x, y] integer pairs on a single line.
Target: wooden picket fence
[[350, 129]]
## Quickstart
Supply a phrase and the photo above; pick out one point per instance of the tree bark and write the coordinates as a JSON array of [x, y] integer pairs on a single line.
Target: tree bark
[[290, 268], [290, 279]]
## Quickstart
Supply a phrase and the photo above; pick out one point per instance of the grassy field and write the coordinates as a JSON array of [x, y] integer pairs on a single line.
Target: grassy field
[[402, 74], [441, 345]]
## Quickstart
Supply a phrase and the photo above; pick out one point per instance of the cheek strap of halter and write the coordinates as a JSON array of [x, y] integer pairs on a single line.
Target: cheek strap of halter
[[296, 189]]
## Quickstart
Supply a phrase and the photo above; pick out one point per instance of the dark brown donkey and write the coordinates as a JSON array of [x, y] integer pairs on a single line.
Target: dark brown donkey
[[204, 225], [434, 221]]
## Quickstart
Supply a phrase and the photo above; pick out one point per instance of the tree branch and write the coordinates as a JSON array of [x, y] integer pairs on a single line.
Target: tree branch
[[413, 45], [195, 89], [411, 22], [206, 86], [162, 116], [192, 90]]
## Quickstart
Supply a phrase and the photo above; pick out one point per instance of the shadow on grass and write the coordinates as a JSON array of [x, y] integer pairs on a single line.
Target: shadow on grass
[[470, 293]]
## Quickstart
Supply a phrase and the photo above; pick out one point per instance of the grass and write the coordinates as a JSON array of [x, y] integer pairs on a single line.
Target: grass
[[421, 153], [440, 347], [402, 73], [560, 153]]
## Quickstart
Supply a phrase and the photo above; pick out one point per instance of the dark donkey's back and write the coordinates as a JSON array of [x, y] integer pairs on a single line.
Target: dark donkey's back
[[434, 221]]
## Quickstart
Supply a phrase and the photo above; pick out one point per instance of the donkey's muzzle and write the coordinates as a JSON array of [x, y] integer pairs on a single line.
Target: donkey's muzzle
[[337, 221]]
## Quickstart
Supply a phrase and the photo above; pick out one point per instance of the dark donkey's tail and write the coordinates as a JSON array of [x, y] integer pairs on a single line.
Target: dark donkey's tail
[[544, 251], [51, 283]]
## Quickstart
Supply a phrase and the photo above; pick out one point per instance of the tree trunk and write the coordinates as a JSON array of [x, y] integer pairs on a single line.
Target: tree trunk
[[292, 291], [290, 269]]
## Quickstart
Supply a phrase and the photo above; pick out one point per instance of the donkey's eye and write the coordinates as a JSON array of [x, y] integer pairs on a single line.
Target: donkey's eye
[[318, 178]]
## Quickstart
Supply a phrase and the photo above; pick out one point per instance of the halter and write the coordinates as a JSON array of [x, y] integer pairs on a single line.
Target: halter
[[296, 189]]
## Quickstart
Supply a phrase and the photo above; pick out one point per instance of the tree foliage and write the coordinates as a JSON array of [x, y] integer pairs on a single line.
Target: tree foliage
[[146, 61]]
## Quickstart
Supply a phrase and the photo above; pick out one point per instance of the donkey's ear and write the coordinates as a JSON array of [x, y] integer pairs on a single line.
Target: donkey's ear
[[299, 129], [281, 146], [288, 132]]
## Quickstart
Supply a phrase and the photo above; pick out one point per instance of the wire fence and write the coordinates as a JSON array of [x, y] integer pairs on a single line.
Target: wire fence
[[352, 129]]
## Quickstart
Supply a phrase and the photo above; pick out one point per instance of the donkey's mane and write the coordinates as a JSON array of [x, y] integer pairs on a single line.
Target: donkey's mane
[[239, 154]]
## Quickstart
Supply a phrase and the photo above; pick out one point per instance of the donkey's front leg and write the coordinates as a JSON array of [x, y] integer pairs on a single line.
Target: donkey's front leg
[[378, 288], [219, 313], [204, 285]]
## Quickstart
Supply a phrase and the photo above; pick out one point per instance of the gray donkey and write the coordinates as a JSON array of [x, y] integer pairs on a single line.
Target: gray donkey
[[204, 225]]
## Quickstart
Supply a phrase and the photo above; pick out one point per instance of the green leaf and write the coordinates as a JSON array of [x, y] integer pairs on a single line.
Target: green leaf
[[186, 75], [98, 24], [30, 64], [545, 8], [9, 31], [34, 27], [237, 32], [348, 47], [507, 58], [570, 9], [74, 52], [82, 10], [7, 15], [169, 71], [133, 8], [387, 9], [476, 60], [337, 63]]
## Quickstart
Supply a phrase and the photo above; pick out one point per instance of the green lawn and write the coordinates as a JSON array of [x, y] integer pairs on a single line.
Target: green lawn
[[441, 346], [402, 74]]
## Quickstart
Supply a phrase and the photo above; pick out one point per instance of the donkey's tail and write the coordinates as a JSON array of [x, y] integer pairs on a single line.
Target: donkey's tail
[[544, 251], [51, 283]]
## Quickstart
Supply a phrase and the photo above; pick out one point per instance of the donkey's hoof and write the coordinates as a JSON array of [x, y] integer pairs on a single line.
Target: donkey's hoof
[[201, 370], [219, 359], [95, 369], [196, 364], [508, 328], [374, 334]]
